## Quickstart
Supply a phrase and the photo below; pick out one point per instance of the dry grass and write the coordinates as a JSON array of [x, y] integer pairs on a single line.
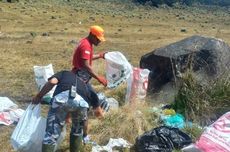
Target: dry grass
[[39, 33], [126, 122]]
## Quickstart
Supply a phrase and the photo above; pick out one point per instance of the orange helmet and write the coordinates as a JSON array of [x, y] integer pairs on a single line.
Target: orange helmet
[[98, 32]]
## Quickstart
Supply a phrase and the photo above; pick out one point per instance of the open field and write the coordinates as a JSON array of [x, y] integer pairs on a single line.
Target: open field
[[39, 33]]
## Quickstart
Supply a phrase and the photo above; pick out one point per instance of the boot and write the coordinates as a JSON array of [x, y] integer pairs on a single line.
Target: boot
[[47, 148], [75, 143]]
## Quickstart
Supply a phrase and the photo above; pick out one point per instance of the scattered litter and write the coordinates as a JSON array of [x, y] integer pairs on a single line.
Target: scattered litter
[[113, 103], [169, 112], [11, 116], [107, 103], [9, 111], [120, 142], [191, 148], [176, 120], [169, 117], [6, 104], [87, 140]]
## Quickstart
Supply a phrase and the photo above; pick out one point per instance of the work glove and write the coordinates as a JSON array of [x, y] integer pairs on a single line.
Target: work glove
[[102, 55], [98, 112], [104, 105], [68, 118], [102, 80]]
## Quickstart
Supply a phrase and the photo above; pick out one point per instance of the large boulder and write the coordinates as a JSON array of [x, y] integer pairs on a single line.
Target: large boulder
[[9, 1], [209, 57]]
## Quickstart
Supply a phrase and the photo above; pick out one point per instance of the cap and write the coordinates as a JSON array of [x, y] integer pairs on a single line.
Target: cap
[[98, 32]]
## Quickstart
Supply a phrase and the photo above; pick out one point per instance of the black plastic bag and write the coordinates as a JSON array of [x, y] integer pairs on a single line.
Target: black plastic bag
[[162, 139]]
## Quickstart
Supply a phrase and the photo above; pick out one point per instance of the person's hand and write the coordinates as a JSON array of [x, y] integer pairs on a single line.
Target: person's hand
[[98, 112], [68, 118], [102, 80], [36, 100], [102, 55]]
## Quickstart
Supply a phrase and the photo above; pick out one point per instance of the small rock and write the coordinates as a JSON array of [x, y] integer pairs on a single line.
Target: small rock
[[45, 34], [29, 42], [183, 30], [73, 42]]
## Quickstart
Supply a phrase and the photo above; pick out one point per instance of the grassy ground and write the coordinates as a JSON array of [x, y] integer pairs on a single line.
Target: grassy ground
[[39, 33]]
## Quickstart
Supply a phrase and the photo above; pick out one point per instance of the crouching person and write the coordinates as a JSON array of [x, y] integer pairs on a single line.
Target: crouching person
[[71, 96]]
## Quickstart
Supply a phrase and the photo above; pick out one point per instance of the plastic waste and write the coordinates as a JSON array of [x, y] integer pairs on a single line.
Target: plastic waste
[[107, 103], [103, 101], [216, 137], [120, 142], [176, 120], [30, 130], [87, 140], [169, 112], [42, 73], [191, 148], [113, 103], [6, 104], [137, 84], [9, 112], [163, 139], [116, 72]]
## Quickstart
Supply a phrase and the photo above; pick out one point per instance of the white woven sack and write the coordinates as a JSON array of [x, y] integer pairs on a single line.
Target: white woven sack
[[30, 131], [42, 73]]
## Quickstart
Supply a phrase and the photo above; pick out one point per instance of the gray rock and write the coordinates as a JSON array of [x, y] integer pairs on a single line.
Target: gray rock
[[207, 57]]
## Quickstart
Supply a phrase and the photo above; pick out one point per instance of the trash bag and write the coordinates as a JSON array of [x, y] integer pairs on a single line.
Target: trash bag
[[162, 139], [30, 130], [137, 84], [216, 137], [42, 73], [116, 72]]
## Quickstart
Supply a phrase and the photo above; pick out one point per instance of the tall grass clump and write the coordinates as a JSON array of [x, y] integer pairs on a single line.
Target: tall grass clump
[[127, 122], [219, 94], [202, 103]]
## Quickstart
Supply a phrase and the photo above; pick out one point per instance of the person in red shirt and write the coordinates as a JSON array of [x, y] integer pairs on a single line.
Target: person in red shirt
[[82, 62], [84, 55]]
